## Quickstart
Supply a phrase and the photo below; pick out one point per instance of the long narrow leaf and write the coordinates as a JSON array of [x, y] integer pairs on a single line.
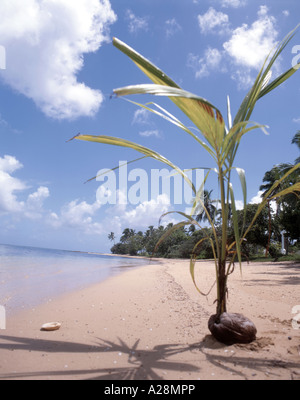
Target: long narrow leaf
[[173, 120], [151, 70], [278, 81], [242, 176], [257, 91], [134, 146], [234, 136], [229, 117], [193, 263], [116, 168], [205, 116], [235, 226], [188, 217]]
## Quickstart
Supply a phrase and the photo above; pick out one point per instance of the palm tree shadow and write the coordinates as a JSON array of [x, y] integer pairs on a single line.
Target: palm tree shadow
[[239, 365], [149, 364]]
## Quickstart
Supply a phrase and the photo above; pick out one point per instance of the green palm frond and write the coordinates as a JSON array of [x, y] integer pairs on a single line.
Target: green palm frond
[[141, 149], [207, 118]]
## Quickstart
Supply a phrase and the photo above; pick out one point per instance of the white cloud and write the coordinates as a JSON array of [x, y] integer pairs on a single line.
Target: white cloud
[[203, 66], [239, 204], [147, 212], [297, 120], [35, 203], [286, 13], [150, 133], [249, 46], [257, 199], [172, 27], [245, 50], [140, 217], [141, 116], [5, 125], [3, 122], [243, 77], [263, 11], [9, 164], [213, 19], [77, 215], [135, 23], [45, 43], [233, 3], [35, 200], [10, 187]]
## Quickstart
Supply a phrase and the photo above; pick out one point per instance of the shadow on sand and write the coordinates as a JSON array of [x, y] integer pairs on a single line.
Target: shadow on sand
[[142, 363], [285, 274], [149, 364]]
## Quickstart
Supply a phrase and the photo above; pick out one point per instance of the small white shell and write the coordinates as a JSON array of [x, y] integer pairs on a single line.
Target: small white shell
[[52, 326]]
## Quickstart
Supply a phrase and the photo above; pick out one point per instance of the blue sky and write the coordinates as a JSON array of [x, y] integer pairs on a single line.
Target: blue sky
[[61, 69]]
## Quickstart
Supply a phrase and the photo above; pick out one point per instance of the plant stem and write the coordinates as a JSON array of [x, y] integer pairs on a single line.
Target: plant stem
[[222, 278], [222, 283]]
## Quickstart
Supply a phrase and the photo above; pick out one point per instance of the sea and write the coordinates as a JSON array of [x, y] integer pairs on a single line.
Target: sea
[[31, 276]]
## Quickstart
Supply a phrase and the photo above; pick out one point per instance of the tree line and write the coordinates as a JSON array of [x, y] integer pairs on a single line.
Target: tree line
[[264, 237]]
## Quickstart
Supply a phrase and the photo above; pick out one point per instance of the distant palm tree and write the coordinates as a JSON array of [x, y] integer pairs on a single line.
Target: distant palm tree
[[112, 237], [149, 233], [127, 234], [278, 171], [211, 209], [274, 175], [296, 141]]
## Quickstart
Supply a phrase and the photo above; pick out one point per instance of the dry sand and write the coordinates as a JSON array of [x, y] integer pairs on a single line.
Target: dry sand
[[151, 323]]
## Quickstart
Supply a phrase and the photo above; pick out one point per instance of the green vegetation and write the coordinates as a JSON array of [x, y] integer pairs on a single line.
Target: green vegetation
[[181, 243], [263, 240]]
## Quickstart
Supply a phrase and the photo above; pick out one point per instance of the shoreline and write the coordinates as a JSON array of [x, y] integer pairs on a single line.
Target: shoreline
[[151, 323], [36, 277]]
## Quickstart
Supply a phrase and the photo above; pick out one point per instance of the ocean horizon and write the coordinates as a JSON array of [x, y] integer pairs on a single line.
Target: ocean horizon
[[30, 276]]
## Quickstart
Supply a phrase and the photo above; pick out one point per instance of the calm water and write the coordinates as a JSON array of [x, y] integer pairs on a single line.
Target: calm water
[[31, 276]]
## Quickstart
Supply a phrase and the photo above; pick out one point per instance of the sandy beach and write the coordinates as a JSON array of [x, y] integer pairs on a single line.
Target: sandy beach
[[150, 323]]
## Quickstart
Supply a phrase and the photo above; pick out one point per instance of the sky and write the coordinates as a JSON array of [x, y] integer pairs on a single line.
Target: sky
[[58, 69]]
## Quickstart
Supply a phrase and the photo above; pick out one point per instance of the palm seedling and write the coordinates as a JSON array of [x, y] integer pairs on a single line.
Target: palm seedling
[[222, 143]]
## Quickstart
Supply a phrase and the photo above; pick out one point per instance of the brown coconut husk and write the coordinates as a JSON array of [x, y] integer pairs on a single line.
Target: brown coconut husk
[[232, 328]]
